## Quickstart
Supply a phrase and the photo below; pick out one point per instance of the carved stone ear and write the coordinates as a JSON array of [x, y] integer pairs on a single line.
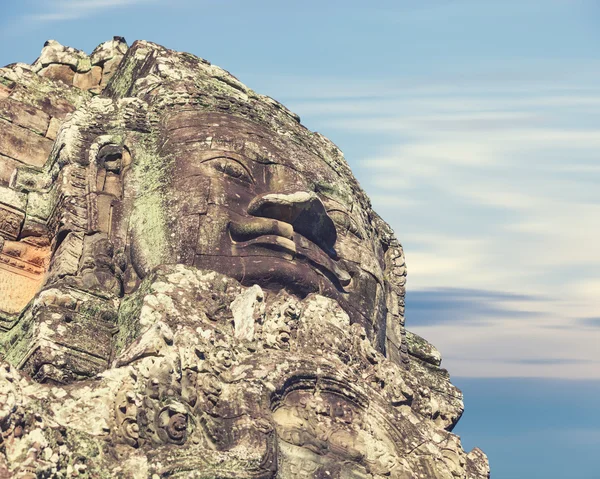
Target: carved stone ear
[[173, 423], [108, 186], [394, 271]]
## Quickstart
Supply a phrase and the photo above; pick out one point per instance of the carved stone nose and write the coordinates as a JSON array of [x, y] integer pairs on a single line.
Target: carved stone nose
[[304, 211]]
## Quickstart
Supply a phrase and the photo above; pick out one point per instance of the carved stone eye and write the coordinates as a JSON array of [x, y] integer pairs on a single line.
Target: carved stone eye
[[231, 168]]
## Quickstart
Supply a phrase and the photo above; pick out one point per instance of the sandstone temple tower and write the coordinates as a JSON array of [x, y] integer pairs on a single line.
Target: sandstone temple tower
[[194, 285]]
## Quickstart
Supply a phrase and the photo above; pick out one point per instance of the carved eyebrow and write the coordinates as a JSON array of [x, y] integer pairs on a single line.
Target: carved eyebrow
[[224, 157]]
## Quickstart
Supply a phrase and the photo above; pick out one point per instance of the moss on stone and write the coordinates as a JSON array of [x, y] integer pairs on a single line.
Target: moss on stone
[[149, 222], [128, 318], [84, 65], [28, 179], [17, 341], [120, 84], [339, 191], [6, 82], [45, 88], [39, 205]]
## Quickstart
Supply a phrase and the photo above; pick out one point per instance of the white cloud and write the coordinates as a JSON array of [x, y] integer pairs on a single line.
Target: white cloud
[[517, 347]]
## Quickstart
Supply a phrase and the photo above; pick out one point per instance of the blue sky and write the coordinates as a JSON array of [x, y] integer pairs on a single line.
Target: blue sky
[[475, 128]]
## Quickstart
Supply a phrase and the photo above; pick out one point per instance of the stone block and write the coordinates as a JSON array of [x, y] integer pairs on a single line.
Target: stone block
[[24, 115], [7, 168], [89, 79], [12, 198], [53, 127], [23, 145], [63, 73], [10, 222], [422, 349], [4, 91], [22, 268]]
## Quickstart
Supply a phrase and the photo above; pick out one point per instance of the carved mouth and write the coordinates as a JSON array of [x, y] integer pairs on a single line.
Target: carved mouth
[[277, 235]]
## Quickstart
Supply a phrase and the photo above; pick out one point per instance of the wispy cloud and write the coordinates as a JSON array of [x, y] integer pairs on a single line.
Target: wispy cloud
[[465, 307], [484, 333], [590, 322], [569, 81], [62, 10], [516, 345]]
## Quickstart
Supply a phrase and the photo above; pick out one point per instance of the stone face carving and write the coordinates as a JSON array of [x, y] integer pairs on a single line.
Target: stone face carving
[[194, 285]]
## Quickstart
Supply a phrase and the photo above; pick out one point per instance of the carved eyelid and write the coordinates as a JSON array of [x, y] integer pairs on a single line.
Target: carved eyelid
[[223, 157]]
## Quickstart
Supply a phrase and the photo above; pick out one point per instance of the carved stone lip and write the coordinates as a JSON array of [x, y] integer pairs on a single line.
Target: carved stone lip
[[303, 211], [276, 235], [272, 242]]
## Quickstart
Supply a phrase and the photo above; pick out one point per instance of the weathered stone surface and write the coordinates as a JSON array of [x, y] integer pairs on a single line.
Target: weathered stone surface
[[22, 268], [53, 127], [14, 199], [26, 117], [8, 167], [63, 73], [10, 222], [23, 145], [88, 80], [192, 284], [247, 309], [54, 53], [420, 348]]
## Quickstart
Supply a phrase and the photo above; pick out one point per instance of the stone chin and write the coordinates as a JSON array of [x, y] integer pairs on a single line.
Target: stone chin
[[274, 269]]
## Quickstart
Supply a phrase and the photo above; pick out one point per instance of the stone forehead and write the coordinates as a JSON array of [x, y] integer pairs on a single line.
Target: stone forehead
[[171, 81], [192, 133], [192, 125], [175, 96]]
